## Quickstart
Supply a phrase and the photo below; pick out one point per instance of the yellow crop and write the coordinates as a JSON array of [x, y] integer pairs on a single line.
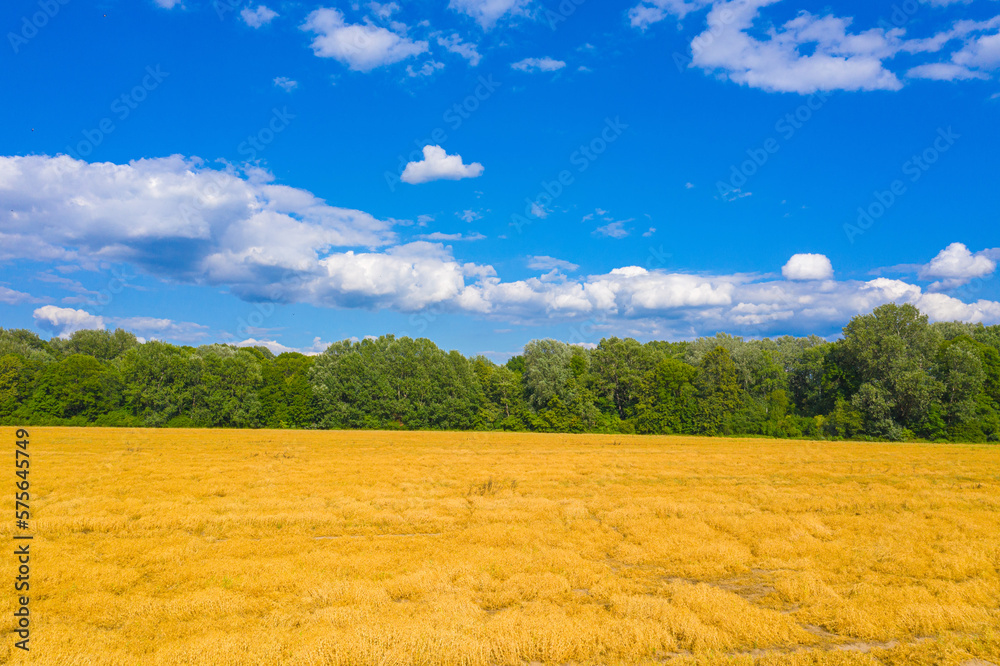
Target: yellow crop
[[290, 547]]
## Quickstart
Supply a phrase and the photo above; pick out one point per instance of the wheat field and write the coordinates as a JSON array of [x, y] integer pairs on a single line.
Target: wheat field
[[294, 547]]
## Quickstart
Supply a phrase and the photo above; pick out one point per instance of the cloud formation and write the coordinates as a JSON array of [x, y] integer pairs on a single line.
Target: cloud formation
[[285, 83], [256, 18], [811, 53], [362, 47], [545, 64], [454, 44], [545, 263], [956, 265], [178, 220], [808, 267], [488, 12], [438, 165], [66, 321]]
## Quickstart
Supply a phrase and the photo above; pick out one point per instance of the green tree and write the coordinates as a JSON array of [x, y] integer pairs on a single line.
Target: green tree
[[103, 345], [718, 391], [670, 402], [78, 387], [891, 353]]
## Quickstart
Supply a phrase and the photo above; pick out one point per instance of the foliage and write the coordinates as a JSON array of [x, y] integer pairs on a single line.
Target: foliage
[[892, 376]]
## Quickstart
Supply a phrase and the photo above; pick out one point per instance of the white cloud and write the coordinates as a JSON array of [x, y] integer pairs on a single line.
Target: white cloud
[[613, 230], [360, 47], [169, 4], [438, 236], [545, 263], [405, 278], [276, 348], [981, 52], [808, 267], [426, 69], [839, 60], [261, 16], [689, 186], [811, 53], [66, 321], [455, 44], [438, 165], [162, 329], [285, 83], [488, 12], [11, 297], [538, 210], [648, 12], [538, 65], [649, 232], [976, 59], [383, 10], [943, 71], [956, 265], [175, 219], [470, 215]]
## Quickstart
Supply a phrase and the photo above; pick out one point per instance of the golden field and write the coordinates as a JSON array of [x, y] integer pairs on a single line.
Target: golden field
[[291, 547]]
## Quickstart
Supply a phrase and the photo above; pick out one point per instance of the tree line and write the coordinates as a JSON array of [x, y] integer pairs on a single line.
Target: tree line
[[892, 376]]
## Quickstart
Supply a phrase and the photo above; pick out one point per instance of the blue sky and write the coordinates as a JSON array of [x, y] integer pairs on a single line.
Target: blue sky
[[486, 172]]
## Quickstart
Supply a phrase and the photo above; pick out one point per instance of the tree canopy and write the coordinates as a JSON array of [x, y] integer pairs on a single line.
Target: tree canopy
[[893, 375]]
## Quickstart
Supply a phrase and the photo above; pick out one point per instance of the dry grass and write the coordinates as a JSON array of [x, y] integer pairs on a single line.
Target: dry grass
[[265, 547]]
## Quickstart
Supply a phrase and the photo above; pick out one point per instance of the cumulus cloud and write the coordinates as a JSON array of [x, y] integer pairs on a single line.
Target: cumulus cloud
[[612, 230], [173, 218], [180, 221], [362, 47], [454, 44], [956, 265], [438, 165], [811, 53], [840, 60], [808, 267], [66, 321], [256, 18], [488, 12], [545, 64], [978, 57]]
